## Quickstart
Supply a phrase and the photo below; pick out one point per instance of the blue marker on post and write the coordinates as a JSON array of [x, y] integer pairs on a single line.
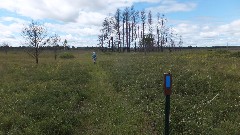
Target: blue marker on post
[[167, 91], [167, 84]]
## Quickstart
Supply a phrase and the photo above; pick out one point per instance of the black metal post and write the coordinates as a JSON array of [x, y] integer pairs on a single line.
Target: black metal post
[[167, 113]]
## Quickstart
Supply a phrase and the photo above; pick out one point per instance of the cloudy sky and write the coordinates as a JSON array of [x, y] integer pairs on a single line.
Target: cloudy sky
[[200, 22]]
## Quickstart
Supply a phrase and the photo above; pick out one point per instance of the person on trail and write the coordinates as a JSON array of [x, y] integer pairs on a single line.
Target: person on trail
[[94, 57]]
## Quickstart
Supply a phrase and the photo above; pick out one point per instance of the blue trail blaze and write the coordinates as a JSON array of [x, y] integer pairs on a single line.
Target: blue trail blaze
[[168, 82]]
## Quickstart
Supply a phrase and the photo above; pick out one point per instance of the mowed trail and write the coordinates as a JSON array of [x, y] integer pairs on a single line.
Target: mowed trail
[[107, 111]]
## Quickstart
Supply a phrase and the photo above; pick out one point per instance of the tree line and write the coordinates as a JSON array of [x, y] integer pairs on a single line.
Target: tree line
[[129, 29]]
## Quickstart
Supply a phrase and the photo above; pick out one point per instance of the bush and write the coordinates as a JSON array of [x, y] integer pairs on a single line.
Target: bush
[[235, 54], [67, 55], [222, 51]]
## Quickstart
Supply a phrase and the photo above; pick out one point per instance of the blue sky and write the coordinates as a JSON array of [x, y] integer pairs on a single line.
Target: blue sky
[[200, 22]]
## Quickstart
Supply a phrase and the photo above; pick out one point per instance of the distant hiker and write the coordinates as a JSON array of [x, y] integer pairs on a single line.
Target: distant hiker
[[94, 57]]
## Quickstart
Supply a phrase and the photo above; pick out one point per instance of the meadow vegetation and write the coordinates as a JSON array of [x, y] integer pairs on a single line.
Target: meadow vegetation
[[121, 94]]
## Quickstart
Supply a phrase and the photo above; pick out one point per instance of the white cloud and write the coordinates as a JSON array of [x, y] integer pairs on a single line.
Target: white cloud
[[10, 32], [93, 18], [60, 9], [73, 28], [12, 20], [167, 6], [230, 28], [66, 10], [206, 28], [210, 34], [186, 28], [76, 33], [203, 34], [80, 20]]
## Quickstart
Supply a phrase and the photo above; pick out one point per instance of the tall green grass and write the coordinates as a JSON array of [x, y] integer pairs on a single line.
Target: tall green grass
[[198, 77], [42, 99], [121, 94]]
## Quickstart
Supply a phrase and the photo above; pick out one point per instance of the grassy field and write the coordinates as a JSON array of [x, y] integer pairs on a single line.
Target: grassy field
[[121, 94]]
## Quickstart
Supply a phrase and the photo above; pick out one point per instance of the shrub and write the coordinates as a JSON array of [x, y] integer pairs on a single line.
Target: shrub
[[67, 55], [222, 51], [235, 54]]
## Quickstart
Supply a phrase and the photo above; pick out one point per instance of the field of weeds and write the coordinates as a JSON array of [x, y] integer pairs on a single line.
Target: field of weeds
[[121, 94]]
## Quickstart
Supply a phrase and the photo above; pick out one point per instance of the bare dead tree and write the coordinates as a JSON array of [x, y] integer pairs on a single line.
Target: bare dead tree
[[180, 42], [54, 41], [127, 17], [117, 26], [104, 33], [129, 36], [163, 31], [150, 29], [131, 25], [108, 26], [150, 22], [100, 39], [112, 32], [5, 47], [158, 32], [35, 37], [123, 31], [143, 19], [171, 37], [135, 18], [124, 27], [65, 44]]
